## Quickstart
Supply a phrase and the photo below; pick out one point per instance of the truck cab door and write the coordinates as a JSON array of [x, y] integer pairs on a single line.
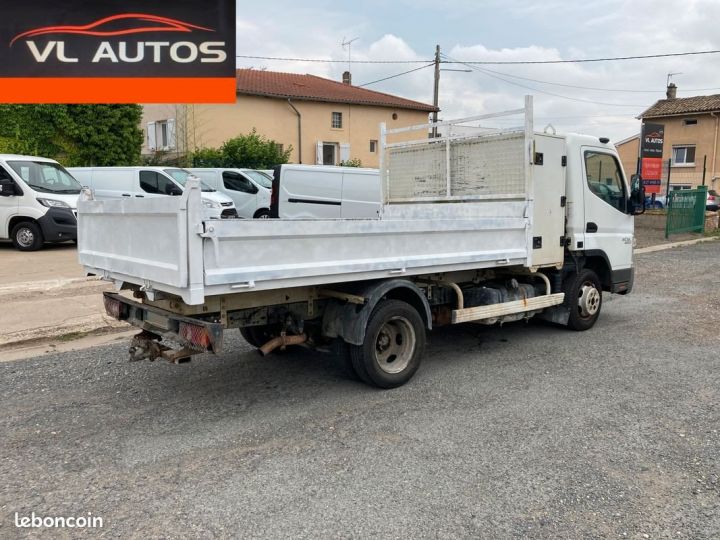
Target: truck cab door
[[608, 225]]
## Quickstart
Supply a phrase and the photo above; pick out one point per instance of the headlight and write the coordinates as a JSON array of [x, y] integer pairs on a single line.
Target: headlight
[[210, 204], [52, 203]]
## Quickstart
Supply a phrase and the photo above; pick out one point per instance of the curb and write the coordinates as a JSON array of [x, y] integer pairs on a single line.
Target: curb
[[662, 247]]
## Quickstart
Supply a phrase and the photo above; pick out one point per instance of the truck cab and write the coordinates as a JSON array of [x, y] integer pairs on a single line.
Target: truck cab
[[600, 209]]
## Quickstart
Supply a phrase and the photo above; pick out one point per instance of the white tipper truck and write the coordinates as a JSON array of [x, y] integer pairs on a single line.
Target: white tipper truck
[[490, 226]]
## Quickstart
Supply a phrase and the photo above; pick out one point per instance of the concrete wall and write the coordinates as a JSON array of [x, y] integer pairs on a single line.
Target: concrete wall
[[200, 126], [702, 135]]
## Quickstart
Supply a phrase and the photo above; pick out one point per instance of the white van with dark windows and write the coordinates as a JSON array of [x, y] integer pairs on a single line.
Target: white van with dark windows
[[38, 202], [249, 189], [326, 191], [146, 182]]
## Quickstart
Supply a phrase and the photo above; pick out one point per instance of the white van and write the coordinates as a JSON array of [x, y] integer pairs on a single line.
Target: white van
[[323, 191], [38, 202], [145, 182], [249, 189]]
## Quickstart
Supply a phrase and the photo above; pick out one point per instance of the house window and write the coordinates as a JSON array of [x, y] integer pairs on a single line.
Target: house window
[[373, 147], [161, 135], [690, 122], [336, 120], [683, 156]]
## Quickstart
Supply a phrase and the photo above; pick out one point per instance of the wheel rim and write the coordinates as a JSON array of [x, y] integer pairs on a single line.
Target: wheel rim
[[264, 216], [589, 299], [395, 345], [25, 237]]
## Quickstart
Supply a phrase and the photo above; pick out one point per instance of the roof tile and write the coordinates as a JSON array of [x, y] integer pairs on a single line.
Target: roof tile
[[312, 88], [697, 104]]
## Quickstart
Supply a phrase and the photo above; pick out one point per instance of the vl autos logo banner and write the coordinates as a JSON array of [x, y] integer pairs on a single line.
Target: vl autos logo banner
[[130, 51]]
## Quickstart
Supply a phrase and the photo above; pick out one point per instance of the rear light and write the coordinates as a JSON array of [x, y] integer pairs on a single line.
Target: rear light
[[711, 198], [115, 308], [196, 335]]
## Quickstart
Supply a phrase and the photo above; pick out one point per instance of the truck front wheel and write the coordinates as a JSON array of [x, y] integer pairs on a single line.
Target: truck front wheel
[[583, 297], [393, 346]]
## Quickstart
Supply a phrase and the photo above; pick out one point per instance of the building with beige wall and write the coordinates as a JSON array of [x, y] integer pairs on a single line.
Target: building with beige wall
[[692, 130], [323, 121]]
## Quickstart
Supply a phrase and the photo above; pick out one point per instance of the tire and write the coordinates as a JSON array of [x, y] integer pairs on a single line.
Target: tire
[[583, 297], [262, 214], [27, 236], [393, 346], [658, 205]]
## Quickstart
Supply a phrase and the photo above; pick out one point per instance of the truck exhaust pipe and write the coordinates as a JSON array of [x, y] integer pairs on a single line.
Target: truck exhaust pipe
[[281, 341]]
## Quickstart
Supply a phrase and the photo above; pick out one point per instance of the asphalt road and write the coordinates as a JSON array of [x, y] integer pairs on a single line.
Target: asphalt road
[[519, 431]]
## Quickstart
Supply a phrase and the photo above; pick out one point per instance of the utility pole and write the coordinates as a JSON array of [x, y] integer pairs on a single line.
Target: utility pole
[[436, 93]]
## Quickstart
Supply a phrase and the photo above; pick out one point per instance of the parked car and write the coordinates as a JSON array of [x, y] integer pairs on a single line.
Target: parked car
[[145, 182], [324, 191], [713, 201], [38, 201], [659, 202], [249, 189]]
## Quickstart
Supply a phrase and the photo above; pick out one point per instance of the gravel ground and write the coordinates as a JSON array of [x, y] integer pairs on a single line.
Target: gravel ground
[[520, 431]]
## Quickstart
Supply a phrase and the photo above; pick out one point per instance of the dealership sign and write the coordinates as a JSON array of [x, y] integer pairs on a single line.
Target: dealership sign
[[651, 151], [84, 51]]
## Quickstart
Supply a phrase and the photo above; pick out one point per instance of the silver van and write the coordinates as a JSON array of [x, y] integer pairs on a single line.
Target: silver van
[[145, 182]]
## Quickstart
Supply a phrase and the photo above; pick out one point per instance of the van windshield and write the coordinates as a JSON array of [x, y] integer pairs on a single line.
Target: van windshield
[[260, 178], [181, 176], [46, 177]]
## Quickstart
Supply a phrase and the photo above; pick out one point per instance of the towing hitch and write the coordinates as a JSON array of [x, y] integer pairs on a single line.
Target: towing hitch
[[146, 346]]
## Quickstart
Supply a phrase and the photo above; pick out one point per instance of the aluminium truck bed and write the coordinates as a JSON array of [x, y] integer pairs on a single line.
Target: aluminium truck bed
[[485, 214]]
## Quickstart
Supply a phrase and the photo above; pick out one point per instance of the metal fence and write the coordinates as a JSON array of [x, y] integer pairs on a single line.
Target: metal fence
[[686, 211]]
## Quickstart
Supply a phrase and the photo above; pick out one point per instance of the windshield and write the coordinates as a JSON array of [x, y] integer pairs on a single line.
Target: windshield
[[46, 177], [261, 178], [181, 176]]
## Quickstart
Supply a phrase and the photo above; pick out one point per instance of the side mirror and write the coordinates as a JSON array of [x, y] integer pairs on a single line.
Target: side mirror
[[175, 191], [7, 187], [636, 203]]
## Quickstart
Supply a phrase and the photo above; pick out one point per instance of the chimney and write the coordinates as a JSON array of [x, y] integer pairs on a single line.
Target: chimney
[[347, 78], [671, 91]]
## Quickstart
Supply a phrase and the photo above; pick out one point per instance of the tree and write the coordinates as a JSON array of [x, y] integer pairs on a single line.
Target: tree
[[104, 135], [207, 157], [251, 151], [74, 134]]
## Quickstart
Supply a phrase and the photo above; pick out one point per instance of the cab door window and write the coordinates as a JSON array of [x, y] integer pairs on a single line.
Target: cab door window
[[605, 180], [236, 182]]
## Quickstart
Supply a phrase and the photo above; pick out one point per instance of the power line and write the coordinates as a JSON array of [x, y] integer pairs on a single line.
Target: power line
[[328, 61], [489, 74], [584, 60], [483, 62], [396, 75]]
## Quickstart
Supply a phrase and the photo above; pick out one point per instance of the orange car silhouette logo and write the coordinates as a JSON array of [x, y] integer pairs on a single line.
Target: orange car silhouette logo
[[140, 23]]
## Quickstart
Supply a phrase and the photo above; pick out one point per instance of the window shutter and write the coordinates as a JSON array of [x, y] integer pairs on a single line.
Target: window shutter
[[344, 152], [319, 160], [151, 136], [171, 134]]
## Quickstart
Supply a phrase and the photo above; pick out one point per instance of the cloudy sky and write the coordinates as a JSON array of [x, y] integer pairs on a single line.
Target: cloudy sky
[[500, 30]]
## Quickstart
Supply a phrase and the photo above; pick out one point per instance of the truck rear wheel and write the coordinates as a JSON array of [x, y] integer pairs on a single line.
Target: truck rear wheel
[[583, 297], [393, 346]]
